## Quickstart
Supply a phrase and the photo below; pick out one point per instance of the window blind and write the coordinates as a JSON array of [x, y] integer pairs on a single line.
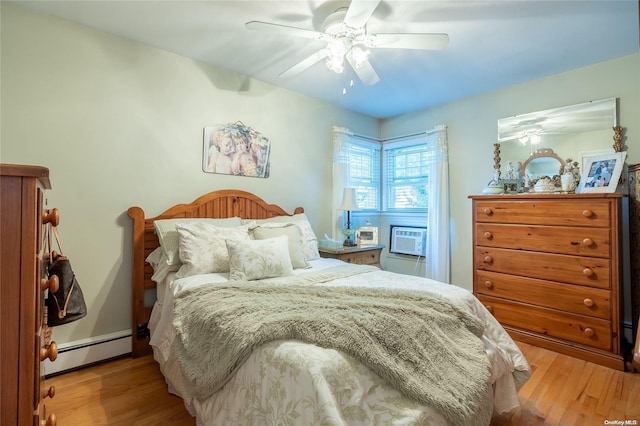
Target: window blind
[[407, 175], [364, 163]]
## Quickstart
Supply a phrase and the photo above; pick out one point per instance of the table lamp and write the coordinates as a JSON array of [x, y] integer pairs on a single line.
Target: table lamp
[[349, 204]]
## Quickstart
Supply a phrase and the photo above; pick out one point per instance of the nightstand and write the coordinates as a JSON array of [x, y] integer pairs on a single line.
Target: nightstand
[[366, 255]]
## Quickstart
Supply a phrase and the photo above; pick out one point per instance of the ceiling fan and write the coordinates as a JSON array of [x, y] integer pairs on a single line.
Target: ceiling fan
[[347, 39]]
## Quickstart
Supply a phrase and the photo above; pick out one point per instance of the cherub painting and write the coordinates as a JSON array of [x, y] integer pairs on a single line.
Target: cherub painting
[[235, 149]]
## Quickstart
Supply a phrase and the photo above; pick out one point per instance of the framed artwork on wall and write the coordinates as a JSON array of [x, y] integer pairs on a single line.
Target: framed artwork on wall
[[235, 149], [601, 173]]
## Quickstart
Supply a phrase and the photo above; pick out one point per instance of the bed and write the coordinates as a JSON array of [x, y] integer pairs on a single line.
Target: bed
[[250, 326]]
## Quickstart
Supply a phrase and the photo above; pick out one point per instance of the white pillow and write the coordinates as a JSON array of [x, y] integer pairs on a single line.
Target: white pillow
[[308, 237], [296, 254], [258, 259], [158, 262], [155, 257], [161, 272], [203, 249], [169, 237]]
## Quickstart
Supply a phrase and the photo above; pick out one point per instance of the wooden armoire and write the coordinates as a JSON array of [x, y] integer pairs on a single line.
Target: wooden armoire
[[24, 334]]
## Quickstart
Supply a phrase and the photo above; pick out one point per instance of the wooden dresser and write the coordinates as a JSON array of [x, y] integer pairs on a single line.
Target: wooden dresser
[[548, 267], [24, 335]]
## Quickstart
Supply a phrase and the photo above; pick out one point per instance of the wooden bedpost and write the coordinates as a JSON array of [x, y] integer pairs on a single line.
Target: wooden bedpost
[[139, 332]]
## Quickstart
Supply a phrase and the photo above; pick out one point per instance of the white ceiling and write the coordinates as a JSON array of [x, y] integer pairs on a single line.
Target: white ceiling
[[493, 44]]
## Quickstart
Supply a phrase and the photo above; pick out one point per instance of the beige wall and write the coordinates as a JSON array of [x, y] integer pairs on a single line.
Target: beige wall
[[472, 130], [120, 124]]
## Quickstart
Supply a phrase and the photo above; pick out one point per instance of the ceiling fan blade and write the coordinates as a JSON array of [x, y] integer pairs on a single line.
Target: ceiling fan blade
[[364, 71], [305, 63], [283, 29], [421, 41], [359, 12]]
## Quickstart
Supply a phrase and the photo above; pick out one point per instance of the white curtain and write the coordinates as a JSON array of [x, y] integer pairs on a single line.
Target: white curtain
[[341, 175], [438, 251]]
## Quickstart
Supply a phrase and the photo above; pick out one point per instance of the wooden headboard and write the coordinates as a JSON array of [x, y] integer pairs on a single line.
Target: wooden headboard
[[218, 204]]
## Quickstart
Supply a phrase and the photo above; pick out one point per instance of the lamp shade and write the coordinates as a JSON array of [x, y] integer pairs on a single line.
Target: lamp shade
[[349, 200]]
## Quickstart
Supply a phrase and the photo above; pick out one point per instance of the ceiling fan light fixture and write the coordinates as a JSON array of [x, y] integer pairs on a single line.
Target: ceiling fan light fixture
[[335, 64], [530, 136], [347, 39], [359, 55], [338, 47], [535, 139], [337, 50]]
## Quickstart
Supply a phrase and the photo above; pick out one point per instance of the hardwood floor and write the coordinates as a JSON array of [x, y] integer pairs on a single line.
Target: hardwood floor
[[125, 391], [562, 391]]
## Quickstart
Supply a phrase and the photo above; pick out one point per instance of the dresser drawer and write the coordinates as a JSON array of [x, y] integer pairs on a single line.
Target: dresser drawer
[[579, 241], [362, 258], [589, 271], [590, 213], [579, 329], [365, 255], [570, 298]]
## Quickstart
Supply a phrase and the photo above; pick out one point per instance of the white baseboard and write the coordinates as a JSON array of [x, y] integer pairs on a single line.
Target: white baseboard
[[83, 352]]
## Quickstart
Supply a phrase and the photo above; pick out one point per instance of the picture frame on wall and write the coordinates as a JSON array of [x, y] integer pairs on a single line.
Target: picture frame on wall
[[511, 186], [601, 173], [235, 149]]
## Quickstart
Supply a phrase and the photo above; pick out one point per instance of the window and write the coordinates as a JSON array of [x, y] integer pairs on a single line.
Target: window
[[405, 167], [364, 166], [406, 171]]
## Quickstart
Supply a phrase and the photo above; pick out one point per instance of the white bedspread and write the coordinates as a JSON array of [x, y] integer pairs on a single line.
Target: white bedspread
[[290, 382]]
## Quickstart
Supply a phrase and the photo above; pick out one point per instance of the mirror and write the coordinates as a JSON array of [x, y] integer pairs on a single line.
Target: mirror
[[543, 162], [542, 141]]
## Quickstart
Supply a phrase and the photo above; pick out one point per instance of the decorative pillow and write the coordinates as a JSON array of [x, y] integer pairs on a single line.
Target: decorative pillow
[[295, 243], [308, 237], [258, 259], [169, 237], [203, 249]]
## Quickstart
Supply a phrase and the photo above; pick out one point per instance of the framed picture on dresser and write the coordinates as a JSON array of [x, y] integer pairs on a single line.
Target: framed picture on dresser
[[601, 173], [511, 186]]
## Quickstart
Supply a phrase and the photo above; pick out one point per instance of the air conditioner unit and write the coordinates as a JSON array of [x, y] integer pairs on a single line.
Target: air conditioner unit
[[408, 240]]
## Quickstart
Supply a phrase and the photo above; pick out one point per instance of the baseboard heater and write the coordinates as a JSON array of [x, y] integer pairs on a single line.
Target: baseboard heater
[[85, 352]]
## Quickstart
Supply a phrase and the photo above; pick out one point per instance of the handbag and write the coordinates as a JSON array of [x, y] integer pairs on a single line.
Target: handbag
[[66, 304]]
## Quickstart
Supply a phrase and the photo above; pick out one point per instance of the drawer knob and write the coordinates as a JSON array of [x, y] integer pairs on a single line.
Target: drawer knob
[[488, 211], [488, 284], [587, 242], [51, 216], [51, 392], [589, 331], [488, 259], [587, 272], [51, 421], [489, 308], [51, 284], [488, 235], [588, 302], [587, 213], [50, 352]]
